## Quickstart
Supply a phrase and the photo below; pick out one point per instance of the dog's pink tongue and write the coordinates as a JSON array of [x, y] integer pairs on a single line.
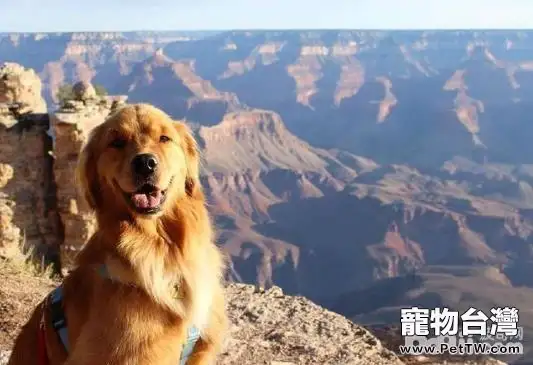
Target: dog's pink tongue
[[147, 201]]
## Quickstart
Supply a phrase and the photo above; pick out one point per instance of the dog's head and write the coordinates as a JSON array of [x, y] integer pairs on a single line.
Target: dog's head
[[137, 161]]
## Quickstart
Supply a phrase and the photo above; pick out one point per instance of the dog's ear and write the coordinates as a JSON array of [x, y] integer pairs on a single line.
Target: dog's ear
[[193, 187], [86, 173]]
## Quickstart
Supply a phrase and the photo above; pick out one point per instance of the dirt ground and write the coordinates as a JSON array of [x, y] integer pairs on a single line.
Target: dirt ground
[[20, 291]]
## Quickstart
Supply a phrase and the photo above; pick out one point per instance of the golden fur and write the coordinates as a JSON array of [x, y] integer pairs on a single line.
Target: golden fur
[[135, 318]]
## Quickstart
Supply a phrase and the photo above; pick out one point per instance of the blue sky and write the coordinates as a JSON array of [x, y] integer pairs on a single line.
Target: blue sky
[[71, 15]]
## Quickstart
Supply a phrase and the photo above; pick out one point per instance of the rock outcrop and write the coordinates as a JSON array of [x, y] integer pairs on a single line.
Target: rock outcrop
[[270, 328], [21, 86], [39, 203], [27, 212], [71, 125]]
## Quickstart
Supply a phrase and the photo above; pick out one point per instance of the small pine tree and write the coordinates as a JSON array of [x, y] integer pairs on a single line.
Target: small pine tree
[[64, 93]]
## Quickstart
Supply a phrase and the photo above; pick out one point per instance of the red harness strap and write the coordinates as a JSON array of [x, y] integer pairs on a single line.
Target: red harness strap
[[41, 344]]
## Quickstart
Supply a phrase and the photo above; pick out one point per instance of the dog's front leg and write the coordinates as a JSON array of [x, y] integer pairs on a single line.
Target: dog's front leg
[[80, 356], [204, 353], [211, 342], [91, 348]]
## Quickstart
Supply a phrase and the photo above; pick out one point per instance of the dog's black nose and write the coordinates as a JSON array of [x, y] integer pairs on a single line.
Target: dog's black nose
[[144, 164]]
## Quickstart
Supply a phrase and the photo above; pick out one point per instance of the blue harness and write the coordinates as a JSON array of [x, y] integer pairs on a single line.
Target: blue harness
[[59, 322]]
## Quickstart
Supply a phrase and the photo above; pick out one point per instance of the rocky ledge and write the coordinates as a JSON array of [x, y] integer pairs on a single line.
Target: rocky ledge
[[271, 328]]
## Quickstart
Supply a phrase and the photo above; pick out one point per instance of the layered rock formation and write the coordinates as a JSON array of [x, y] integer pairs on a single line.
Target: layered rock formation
[[27, 204], [71, 126]]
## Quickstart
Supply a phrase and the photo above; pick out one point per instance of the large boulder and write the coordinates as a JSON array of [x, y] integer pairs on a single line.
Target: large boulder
[[83, 90]]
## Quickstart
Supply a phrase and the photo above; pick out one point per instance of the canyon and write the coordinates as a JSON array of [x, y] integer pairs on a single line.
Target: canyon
[[338, 164]]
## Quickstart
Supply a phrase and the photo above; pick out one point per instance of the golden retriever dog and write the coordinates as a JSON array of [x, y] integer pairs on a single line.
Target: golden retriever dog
[[162, 272]]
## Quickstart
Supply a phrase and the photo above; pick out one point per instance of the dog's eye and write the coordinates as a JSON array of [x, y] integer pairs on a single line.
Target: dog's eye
[[118, 143], [164, 139]]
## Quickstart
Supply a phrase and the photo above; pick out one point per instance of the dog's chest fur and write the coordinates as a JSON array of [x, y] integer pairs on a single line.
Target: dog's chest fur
[[167, 287]]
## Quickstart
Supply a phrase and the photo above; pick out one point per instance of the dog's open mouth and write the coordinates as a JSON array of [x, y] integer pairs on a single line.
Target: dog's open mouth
[[147, 199]]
